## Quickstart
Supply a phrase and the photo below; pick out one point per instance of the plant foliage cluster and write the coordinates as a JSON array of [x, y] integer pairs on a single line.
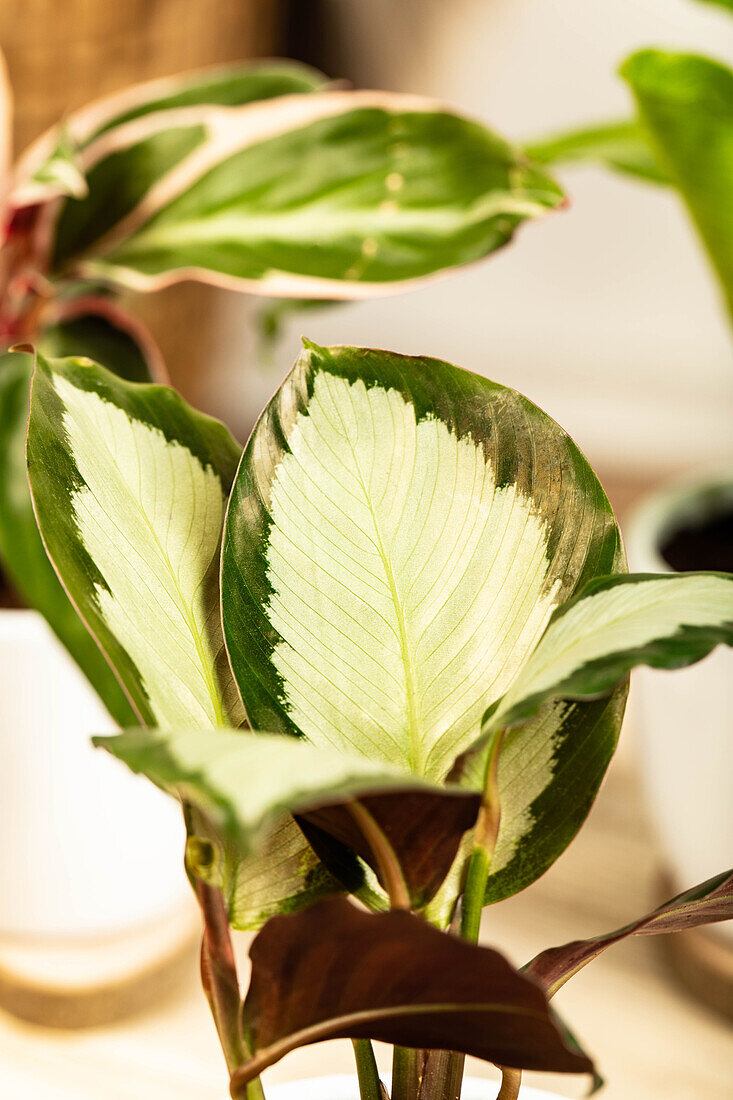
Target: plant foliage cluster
[[380, 653]]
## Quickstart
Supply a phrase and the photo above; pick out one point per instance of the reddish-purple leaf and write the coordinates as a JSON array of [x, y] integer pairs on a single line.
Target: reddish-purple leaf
[[707, 903], [335, 971], [424, 830]]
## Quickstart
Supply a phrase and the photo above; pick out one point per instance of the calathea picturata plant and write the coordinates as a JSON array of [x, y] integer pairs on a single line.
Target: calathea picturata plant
[[259, 177], [384, 653]]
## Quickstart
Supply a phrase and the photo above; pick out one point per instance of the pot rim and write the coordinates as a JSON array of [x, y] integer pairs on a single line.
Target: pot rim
[[665, 510], [344, 1086]]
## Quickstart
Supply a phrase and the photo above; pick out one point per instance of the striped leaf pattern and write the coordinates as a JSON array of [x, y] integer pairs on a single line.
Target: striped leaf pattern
[[245, 181]]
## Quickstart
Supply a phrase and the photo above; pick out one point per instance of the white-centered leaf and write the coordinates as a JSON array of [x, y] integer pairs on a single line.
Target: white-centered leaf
[[129, 486], [245, 783], [396, 542], [666, 621], [24, 559], [339, 194]]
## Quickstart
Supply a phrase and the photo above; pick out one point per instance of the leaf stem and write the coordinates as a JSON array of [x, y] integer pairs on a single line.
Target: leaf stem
[[511, 1080], [370, 1087], [484, 843], [390, 871], [407, 1065], [443, 1076], [219, 973]]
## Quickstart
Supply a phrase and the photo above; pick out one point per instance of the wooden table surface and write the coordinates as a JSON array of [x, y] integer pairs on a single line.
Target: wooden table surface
[[651, 1041]]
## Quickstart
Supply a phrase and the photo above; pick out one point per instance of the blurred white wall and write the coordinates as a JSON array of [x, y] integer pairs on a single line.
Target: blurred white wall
[[607, 314]]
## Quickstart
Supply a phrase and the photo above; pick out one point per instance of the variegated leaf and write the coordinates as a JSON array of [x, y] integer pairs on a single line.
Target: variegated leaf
[[50, 167], [22, 554], [284, 876], [593, 641], [129, 486], [245, 783], [397, 538], [550, 770], [335, 195]]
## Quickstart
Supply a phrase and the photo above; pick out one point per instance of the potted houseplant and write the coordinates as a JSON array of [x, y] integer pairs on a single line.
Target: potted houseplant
[[681, 137], [382, 652], [261, 177]]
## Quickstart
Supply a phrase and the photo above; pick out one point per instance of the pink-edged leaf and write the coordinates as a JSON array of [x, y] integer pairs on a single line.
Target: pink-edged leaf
[[707, 903], [53, 166]]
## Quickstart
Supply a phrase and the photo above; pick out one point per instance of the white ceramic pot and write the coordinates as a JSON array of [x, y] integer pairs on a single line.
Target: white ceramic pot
[[684, 718], [345, 1087], [90, 855]]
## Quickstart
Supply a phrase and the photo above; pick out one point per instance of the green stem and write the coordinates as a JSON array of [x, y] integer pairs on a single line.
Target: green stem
[[255, 1090], [474, 894], [407, 1065], [484, 843], [370, 1087]]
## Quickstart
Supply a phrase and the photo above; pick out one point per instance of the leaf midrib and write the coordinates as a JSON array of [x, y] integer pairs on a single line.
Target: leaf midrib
[[416, 759], [272, 1053]]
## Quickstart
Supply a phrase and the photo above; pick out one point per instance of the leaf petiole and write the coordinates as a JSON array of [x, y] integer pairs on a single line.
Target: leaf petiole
[[511, 1081], [370, 1086], [484, 843]]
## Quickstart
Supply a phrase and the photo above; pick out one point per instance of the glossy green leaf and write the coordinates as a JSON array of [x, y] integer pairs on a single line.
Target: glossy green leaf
[[622, 145], [245, 783], [129, 486], [337, 972], [707, 903], [398, 536], [22, 554], [686, 105], [322, 196], [593, 641]]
